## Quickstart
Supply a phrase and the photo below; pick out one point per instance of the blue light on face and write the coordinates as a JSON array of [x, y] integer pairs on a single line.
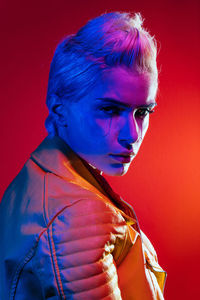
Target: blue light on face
[[107, 126]]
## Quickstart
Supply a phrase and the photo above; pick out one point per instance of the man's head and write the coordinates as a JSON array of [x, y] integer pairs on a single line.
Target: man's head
[[112, 58]]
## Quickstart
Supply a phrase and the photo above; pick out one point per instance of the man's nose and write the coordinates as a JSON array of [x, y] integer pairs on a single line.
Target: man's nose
[[129, 133]]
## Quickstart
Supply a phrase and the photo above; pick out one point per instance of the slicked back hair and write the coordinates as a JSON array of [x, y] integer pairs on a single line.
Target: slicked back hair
[[110, 40]]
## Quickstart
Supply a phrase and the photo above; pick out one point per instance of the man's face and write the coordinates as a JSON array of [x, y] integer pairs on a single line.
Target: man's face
[[108, 125]]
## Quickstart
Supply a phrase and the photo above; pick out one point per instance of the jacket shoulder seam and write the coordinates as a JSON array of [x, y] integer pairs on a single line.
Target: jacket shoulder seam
[[19, 269], [50, 237]]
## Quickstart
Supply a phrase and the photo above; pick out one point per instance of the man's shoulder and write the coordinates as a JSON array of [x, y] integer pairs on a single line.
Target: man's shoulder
[[61, 193], [29, 177]]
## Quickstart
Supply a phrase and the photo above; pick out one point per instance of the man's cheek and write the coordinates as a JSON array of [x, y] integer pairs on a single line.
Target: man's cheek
[[101, 127]]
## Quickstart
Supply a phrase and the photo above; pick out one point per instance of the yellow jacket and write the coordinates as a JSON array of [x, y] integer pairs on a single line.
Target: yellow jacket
[[66, 235]]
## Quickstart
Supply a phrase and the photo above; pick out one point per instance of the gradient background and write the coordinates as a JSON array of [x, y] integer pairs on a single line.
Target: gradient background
[[163, 182]]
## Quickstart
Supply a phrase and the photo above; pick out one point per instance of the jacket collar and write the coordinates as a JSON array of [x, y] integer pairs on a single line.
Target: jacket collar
[[55, 156]]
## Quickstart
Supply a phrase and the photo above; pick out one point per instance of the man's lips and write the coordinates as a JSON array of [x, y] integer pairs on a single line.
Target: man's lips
[[123, 158]]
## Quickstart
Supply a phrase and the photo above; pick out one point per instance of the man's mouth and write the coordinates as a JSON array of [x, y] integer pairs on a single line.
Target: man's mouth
[[123, 158]]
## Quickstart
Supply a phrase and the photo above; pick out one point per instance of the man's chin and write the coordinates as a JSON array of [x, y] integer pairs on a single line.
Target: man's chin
[[117, 170]]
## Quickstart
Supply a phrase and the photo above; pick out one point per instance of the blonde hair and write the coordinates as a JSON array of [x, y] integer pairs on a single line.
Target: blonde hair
[[112, 39]]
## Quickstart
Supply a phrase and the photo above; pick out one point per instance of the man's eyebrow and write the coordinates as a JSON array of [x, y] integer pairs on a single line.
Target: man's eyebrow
[[117, 102]]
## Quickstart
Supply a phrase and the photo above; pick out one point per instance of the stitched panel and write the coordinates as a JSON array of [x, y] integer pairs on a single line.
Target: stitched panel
[[55, 263], [84, 237]]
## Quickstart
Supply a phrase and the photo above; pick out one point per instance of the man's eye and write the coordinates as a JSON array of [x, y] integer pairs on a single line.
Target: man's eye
[[143, 112], [111, 110]]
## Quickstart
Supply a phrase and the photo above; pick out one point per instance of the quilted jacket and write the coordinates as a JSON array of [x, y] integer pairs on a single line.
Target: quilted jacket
[[64, 234]]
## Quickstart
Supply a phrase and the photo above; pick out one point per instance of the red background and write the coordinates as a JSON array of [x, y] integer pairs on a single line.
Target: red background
[[163, 182]]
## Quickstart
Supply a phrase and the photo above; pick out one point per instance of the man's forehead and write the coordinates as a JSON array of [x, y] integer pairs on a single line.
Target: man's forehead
[[121, 79]]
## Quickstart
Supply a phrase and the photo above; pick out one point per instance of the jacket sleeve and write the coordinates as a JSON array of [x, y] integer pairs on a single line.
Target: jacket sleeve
[[74, 255]]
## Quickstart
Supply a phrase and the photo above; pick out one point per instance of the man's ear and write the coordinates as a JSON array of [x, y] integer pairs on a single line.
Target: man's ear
[[58, 111]]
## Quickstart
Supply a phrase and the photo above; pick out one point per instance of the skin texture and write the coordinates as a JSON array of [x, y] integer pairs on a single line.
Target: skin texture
[[107, 126]]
